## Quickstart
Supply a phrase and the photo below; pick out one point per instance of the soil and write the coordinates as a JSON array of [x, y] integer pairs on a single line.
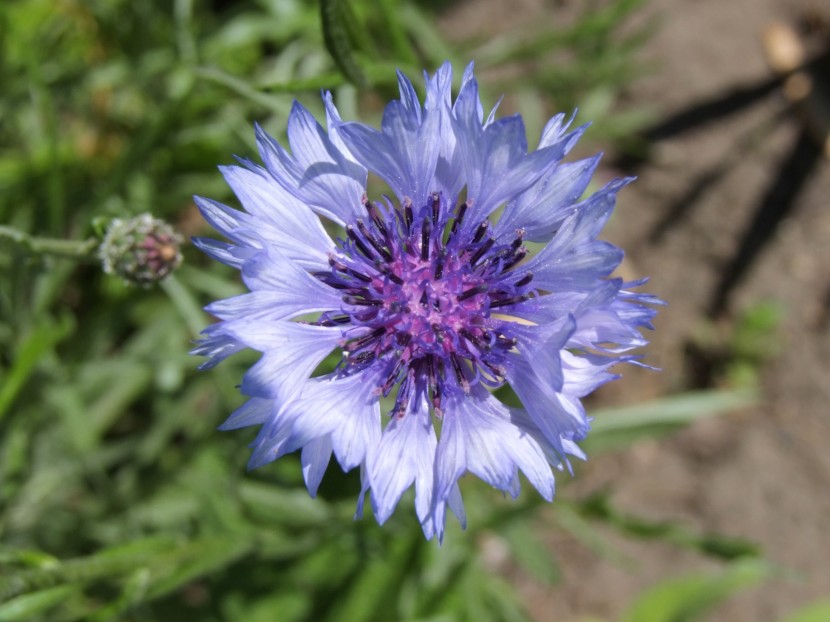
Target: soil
[[762, 473]]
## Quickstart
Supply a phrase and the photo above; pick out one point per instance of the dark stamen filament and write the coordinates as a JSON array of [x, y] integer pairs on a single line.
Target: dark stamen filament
[[524, 280], [478, 289], [482, 229]]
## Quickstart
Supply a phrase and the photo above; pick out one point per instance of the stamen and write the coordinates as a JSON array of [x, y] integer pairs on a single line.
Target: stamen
[[520, 234], [478, 289], [522, 252], [357, 344], [476, 341], [385, 270], [524, 280], [371, 239], [367, 356], [483, 249], [462, 210], [358, 275], [364, 250], [360, 302], [404, 392], [426, 230], [507, 342], [510, 301], [334, 321], [439, 264], [436, 400], [482, 229], [407, 215], [392, 378], [459, 374], [374, 214]]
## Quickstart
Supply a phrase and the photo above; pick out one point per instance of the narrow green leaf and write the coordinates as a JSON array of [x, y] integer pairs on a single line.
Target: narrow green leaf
[[334, 15], [34, 346], [369, 595], [277, 105], [599, 507], [616, 427], [27, 606], [690, 598]]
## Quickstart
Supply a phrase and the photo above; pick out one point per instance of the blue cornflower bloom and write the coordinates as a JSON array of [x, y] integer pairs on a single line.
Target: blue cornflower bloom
[[431, 299]]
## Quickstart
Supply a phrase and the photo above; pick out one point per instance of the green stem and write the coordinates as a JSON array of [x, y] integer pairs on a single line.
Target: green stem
[[75, 249], [171, 564]]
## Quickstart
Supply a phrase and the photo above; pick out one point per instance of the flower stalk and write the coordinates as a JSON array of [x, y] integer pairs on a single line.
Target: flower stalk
[[55, 247]]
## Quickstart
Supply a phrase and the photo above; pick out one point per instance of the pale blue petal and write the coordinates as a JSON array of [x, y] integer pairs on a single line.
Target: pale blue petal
[[541, 346], [291, 351], [548, 409], [332, 186], [290, 226], [217, 345], [315, 459], [228, 254], [586, 373], [574, 254], [256, 411], [300, 292], [540, 209], [357, 439], [406, 454], [404, 154], [330, 405], [496, 447]]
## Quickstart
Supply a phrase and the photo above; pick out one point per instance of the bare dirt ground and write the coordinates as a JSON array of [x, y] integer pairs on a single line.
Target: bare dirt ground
[[763, 473]]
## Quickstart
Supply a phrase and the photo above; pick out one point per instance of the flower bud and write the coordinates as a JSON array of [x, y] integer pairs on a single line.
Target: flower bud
[[141, 250]]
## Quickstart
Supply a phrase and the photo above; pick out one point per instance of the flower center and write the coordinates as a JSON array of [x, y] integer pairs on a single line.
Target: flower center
[[419, 290]]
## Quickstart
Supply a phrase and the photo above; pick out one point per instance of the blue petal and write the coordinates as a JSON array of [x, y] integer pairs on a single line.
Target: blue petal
[[478, 435], [282, 221], [216, 344], [228, 254], [356, 439], [315, 459], [574, 255], [555, 128], [586, 373], [553, 413], [318, 174], [331, 406], [406, 454], [540, 209], [404, 154], [291, 351], [256, 411], [279, 290], [541, 346]]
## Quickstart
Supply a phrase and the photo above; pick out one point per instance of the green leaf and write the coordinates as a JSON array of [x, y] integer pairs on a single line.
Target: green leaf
[[336, 16], [690, 598], [618, 427], [598, 506], [27, 606], [373, 590], [33, 347]]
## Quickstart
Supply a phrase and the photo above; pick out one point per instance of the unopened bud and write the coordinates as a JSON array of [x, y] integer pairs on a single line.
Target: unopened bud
[[141, 250]]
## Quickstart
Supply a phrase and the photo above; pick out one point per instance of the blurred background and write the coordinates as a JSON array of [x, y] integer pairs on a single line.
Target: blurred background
[[706, 494]]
